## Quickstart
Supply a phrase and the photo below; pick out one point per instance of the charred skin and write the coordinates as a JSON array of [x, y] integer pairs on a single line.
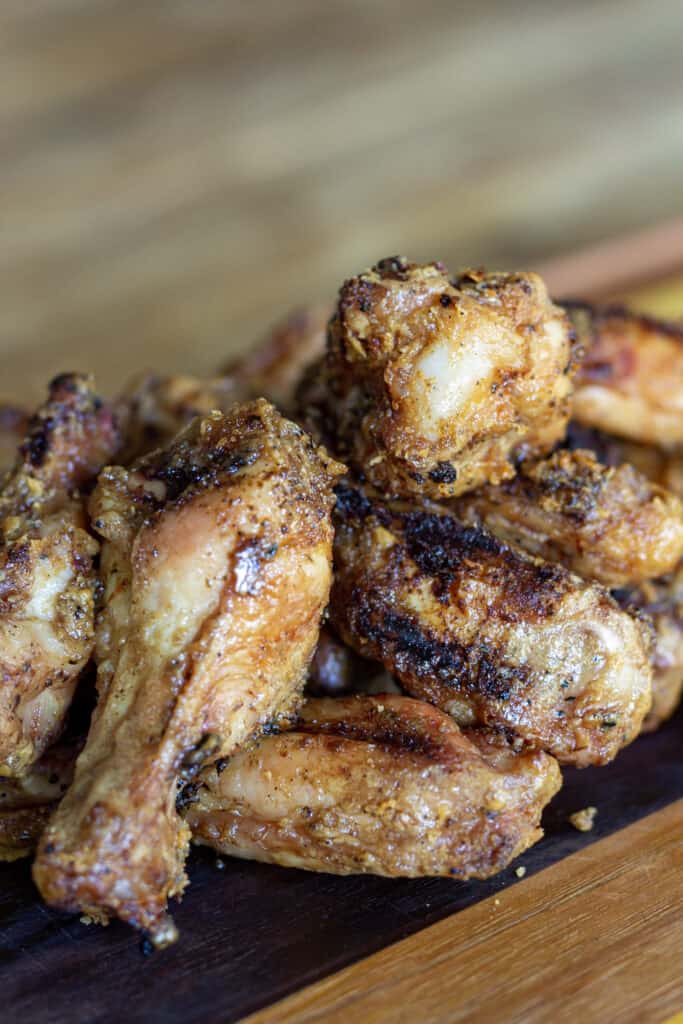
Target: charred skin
[[630, 379], [488, 634], [47, 575], [609, 524], [217, 566], [432, 387], [382, 785]]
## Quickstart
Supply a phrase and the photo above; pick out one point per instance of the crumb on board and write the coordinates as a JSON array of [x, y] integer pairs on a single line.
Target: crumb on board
[[584, 820], [520, 871], [496, 902]]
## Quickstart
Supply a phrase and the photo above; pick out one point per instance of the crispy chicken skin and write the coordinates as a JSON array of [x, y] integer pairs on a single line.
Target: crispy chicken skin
[[13, 425], [47, 576], [154, 408], [662, 602], [630, 380], [661, 465], [487, 633], [604, 523], [433, 387], [383, 785], [273, 368], [217, 566]]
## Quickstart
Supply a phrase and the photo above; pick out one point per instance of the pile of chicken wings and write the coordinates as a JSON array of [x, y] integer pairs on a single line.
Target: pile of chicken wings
[[347, 606]]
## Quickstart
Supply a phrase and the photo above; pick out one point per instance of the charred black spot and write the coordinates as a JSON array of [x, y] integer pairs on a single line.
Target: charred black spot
[[443, 473], [393, 266], [445, 300], [352, 503], [438, 544]]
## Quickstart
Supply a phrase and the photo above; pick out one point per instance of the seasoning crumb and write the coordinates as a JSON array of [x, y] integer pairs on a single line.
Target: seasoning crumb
[[584, 820], [87, 919], [496, 903], [520, 871]]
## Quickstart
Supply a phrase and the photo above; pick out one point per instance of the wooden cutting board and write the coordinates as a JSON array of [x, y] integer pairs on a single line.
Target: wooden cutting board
[[594, 930]]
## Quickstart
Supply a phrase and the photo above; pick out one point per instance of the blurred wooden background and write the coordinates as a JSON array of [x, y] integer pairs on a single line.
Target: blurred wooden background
[[177, 174]]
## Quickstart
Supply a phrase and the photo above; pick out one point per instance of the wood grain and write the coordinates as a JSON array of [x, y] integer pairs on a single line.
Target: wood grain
[[176, 175], [597, 937]]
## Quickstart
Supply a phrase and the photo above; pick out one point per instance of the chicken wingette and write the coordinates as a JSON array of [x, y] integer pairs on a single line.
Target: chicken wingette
[[609, 524], [385, 785], [487, 633], [216, 562]]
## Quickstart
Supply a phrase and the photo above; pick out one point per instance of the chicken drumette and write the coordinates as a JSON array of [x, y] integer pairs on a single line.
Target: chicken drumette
[[383, 784], [217, 564], [47, 577], [487, 633], [433, 387]]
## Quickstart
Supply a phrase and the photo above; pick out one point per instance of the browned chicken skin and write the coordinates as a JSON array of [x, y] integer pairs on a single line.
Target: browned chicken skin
[[383, 784], [662, 602], [433, 387], [47, 576], [217, 565], [272, 368], [661, 465], [155, 407], [630, 380], [490, 635], [609, 524]]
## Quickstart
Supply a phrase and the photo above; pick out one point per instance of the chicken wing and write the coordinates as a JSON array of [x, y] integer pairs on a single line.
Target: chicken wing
[[662, 602], [154, 408], [630, 380], [383, 785], [661, 465], [273, 368], [604, 523], [47, 577], [490, 635], [13, 426], [217, 566], [434, 387]]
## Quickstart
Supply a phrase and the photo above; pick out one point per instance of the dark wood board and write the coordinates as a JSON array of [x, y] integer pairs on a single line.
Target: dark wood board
[[252, 933]]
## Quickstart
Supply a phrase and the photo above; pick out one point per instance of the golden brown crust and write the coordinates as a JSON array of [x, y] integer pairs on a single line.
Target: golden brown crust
[[434, 387], [661, 465], [609, 524], [155, 407], [217, 564], [273, 368], [47, 575], [630, 380], [385, 785], [488, 634]]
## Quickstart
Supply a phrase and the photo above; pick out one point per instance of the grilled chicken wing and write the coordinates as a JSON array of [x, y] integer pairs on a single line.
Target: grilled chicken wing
[[274, 367], [47, 578], [661, 465], [217, 567], [662, 602], [608, 524], [13, 426], [384, 785], [432, 387], [154, 408], [490, 635], [630, 381]]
